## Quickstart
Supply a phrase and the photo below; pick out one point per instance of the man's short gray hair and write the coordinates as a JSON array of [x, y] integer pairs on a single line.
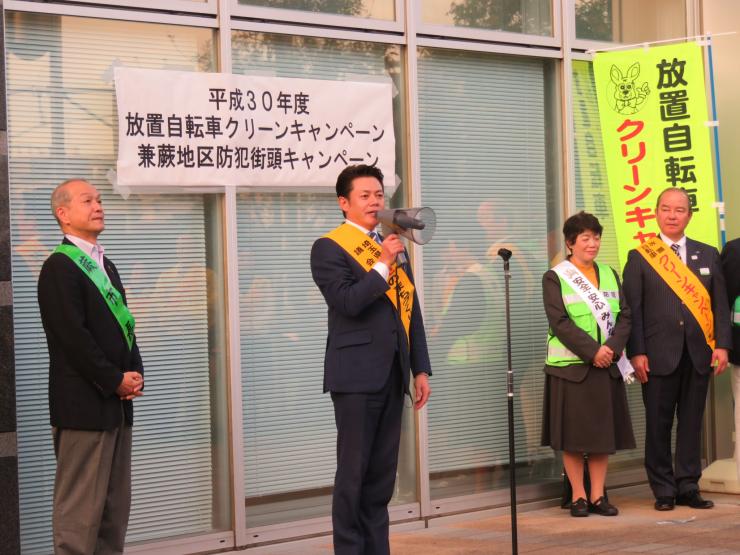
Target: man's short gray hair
[[673, 190], [60, 195]]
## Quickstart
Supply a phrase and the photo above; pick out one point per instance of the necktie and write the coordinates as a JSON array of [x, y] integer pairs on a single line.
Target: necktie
[[375, 236], [677, 249], [97, 254]]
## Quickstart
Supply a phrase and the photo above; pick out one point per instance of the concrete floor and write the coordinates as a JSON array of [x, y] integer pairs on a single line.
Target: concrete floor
[[637, 529]]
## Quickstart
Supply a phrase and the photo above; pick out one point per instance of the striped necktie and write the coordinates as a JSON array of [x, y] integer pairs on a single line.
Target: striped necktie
[[675, 247], [375, 236]]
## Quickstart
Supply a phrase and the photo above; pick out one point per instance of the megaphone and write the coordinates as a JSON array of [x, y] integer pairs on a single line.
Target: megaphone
[[416, 224]]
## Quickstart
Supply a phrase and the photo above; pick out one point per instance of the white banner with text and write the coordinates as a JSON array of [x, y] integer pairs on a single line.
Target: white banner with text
[[211, 129]]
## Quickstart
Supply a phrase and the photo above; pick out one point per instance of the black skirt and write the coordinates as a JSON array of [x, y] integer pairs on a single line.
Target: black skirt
[[587, 417]]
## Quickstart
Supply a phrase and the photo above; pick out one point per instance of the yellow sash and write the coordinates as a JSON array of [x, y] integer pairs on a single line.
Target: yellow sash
[[682, 281], [366, 252]]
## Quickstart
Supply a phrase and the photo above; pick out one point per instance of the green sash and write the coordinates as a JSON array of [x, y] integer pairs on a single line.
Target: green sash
[[111, 295]]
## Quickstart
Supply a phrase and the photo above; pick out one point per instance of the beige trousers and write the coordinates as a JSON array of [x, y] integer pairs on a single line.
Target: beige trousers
[[92, 491]]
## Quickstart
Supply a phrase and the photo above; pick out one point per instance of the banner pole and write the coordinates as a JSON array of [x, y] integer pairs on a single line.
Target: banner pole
[[720, 196], [648, 44]]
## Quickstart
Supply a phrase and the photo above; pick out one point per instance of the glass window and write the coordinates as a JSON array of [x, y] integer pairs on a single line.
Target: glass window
[[529, 17], [630, 21], [289, 430], [62, 124], [488, 168], [374, 9]]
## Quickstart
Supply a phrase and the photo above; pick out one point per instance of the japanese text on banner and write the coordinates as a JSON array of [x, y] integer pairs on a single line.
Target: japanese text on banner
[[186, 129], [653, 113]]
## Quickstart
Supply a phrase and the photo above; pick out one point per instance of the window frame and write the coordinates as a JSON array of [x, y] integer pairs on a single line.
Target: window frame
[[407, 30], [191, 6], [108, 11], [592, 45], [490, 35], [319, 18]]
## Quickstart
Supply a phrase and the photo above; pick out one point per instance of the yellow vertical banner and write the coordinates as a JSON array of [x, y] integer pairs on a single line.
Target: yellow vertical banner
[[592, 185], [653, 113]]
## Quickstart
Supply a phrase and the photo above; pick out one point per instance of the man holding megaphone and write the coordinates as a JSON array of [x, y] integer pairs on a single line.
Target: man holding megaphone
[[376, 337]]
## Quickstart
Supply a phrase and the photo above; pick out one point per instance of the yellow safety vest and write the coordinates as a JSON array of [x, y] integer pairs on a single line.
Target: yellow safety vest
[[579, 311]]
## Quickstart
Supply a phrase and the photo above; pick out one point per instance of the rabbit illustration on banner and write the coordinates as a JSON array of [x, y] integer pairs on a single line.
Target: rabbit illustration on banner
[[629, 97]]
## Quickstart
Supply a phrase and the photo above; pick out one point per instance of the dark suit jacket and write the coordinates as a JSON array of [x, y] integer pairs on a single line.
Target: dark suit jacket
[[365, 331], [731, 271], [661, 323], [577, 340], [87, 349]]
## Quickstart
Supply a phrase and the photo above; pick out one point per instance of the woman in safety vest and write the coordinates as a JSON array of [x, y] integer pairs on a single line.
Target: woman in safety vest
[[585, 404]]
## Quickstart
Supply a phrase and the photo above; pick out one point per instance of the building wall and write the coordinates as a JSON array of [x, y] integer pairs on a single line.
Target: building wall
[[721, 16], [291, 54], [9, 523]]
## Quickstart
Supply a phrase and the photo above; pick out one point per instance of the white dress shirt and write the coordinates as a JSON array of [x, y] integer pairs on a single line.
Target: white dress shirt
[[93, 250], [681, 246], [379, 267]]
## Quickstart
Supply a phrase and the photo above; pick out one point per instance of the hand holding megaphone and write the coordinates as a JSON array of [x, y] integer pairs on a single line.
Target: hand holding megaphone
[[392, 246]]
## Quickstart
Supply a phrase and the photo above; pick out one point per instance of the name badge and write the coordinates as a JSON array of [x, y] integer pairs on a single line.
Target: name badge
[[704, 271]]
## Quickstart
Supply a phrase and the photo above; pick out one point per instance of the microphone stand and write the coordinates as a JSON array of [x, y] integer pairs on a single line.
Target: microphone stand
[[505, 254]]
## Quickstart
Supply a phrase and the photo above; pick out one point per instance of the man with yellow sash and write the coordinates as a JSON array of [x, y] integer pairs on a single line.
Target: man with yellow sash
[[375, 339], [95, 371], [731, 269], [680, 332]]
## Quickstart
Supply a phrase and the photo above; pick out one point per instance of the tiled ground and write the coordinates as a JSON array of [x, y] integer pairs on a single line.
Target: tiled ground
[[638, 529]]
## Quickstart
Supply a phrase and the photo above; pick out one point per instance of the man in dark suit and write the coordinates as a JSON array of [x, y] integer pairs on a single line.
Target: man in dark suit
[[370, 349], [95, 371], [731, 269], [672, 356]]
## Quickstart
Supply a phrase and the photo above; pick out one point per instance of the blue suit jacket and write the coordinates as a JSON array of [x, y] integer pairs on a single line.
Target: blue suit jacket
[[661, 323], [365, 331]]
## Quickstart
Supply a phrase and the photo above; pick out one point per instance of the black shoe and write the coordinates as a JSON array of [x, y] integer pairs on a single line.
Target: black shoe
[[664, 504], [694, 500], [603, 507], [579, 507]]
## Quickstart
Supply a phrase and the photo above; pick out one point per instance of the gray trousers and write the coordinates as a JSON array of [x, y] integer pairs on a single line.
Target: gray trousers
[[92, 490]]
